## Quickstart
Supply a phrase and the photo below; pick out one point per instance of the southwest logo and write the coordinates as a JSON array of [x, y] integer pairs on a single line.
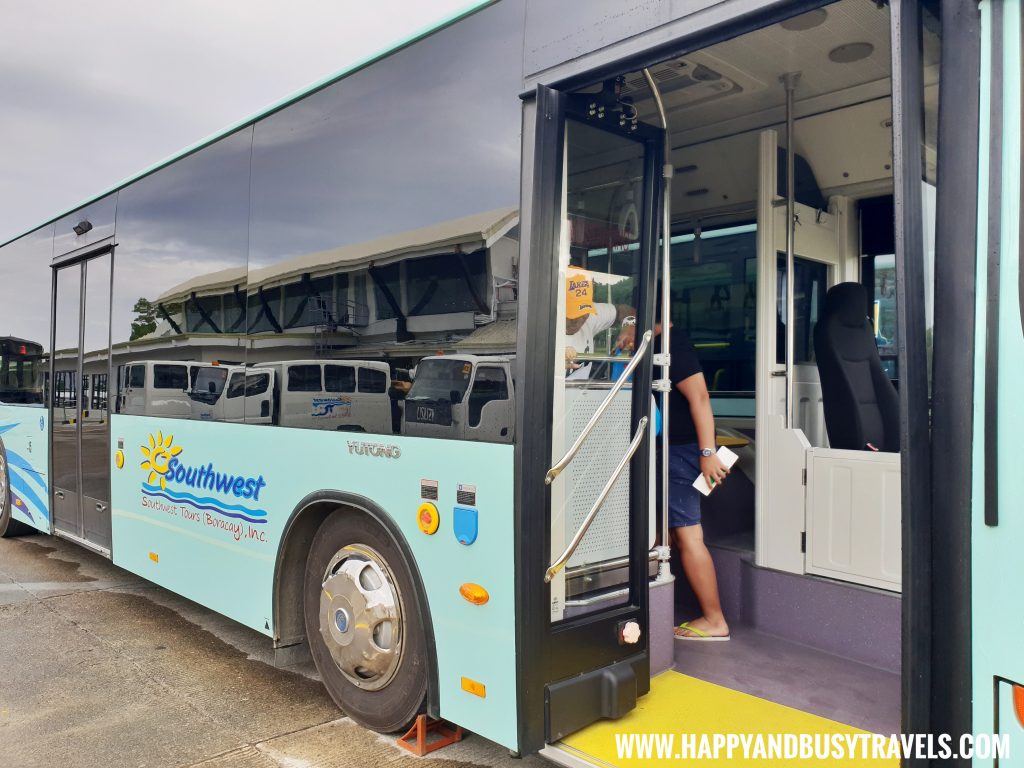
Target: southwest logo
[[167, 470], [332, 406]]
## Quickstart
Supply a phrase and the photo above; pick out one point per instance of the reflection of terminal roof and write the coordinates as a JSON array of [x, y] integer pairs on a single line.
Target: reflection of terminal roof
[[221, 281], [477, 231], [499, 335]]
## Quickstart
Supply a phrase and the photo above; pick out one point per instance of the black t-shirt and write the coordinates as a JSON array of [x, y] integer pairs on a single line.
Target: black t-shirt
[[681, 429]]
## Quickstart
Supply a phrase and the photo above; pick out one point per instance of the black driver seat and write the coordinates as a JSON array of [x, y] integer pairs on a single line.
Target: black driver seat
[[861, 404]]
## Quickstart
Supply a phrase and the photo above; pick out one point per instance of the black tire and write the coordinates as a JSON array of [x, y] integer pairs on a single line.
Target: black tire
[[384, 702], [8, 525]]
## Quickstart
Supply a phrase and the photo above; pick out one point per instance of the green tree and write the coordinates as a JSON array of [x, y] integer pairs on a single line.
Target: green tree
[[145, 319]]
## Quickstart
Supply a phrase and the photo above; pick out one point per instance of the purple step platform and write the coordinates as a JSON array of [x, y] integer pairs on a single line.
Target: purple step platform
[[847, 620]]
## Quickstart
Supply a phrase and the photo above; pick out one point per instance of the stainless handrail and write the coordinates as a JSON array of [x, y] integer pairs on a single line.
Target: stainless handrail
[[563, 462], [559, 563], [662, 386], [599, 358]]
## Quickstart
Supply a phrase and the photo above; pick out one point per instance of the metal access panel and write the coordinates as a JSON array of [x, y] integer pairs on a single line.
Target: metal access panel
[[608, 537]]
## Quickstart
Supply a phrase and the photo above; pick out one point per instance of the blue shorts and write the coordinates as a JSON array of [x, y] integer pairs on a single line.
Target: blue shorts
[[683, 499]]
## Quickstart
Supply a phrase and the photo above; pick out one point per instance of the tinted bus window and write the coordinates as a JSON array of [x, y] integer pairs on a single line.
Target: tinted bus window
[[304, 378], [714, 298], [372, 381], [170, 377], [180, 268], [810, 282], [351, 197]]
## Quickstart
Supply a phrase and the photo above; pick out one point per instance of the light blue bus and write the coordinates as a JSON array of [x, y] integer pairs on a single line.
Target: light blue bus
[[460, 237]]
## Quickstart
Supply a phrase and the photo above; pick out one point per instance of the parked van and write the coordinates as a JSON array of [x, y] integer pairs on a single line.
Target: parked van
[[157, 388], [466, 397], [347, 395]]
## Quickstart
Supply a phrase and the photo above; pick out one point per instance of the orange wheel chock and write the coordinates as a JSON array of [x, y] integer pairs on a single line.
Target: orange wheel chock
[[416, 740]]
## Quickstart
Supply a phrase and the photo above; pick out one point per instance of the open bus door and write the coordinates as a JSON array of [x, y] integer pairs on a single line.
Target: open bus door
[[585, 454]]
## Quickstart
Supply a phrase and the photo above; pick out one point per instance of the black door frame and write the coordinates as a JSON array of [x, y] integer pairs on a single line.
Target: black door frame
[[590, 642]]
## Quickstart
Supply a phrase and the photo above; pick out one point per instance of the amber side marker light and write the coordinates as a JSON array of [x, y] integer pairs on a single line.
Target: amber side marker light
[[1018, 703], [119, 459], [474, 687], [154, 557], [474, 593]]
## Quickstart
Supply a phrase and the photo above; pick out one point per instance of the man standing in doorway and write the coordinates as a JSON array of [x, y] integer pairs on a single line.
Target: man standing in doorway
[[692, 452]]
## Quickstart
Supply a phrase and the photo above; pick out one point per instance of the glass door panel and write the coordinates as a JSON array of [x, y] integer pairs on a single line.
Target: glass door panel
[[64, 418], [600, 263], [80, 406], [93, 405]]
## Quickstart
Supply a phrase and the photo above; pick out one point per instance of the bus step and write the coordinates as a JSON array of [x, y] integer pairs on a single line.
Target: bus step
[[416, 740]]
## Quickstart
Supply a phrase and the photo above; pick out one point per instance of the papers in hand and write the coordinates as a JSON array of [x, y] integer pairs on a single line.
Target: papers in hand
[[728, 458]]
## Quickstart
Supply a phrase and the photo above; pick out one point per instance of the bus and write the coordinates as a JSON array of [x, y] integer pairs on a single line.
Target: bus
[[825, 197], [22, 366]]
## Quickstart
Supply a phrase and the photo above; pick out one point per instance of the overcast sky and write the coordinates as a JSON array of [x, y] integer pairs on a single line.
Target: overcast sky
[[93, 92]]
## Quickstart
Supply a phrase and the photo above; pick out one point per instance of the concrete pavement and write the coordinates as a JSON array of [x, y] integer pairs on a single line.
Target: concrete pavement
[[99, 668]]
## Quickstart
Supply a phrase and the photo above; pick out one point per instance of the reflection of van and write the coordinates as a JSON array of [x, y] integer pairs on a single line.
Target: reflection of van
[[467, 397], [157, 388], [349, 395], [233, 393]]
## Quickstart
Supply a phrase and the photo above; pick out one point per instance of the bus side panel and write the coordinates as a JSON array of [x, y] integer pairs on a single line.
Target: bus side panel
[[23, 428], [997, 557], [200, 509]]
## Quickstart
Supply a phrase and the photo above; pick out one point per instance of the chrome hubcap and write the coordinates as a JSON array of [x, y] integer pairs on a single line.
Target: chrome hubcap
[[361, 617]]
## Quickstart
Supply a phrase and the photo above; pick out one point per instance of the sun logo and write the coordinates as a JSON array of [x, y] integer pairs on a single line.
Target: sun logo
[[158, 453]]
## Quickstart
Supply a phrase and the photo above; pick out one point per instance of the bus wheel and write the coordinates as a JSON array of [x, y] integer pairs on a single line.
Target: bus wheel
[[363, 623], [8, 525]]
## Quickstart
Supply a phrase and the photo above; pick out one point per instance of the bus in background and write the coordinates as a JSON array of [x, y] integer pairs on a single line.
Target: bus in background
[[22, 371], [484, 550]]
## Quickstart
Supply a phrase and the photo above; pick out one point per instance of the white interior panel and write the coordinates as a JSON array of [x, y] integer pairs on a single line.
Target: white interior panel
[[853, 516]]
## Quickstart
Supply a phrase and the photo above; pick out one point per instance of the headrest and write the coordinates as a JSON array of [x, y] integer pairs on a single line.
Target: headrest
[[848, 303]]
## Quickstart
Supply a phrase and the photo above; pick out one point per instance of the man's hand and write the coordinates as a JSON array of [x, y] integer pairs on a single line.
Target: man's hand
[[627, 338], [570, 358], [713, 469]]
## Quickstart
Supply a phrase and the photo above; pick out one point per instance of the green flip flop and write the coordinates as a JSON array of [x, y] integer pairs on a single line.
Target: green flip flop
[[699, 635]]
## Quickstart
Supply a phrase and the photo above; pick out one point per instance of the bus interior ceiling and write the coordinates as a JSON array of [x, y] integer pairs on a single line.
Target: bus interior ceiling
[[811, 588]]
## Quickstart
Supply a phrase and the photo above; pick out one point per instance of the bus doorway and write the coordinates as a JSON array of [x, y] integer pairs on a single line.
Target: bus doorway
[[782, 144], [80, 424]]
